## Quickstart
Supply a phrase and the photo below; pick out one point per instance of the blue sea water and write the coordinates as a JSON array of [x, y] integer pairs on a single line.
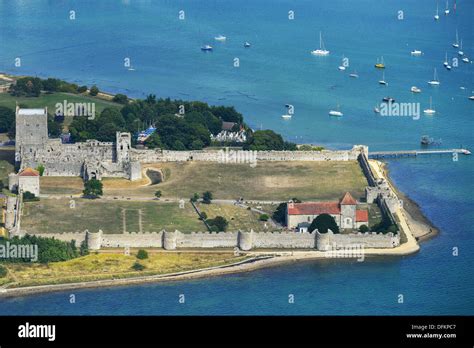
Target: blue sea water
[[278, 70]]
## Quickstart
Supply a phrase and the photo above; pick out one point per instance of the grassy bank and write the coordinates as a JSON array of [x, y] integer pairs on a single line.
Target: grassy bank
[[111, 266]]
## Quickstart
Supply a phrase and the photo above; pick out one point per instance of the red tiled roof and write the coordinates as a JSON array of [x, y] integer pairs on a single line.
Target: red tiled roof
[[29, 172], [314, 208], [362, 216], [348, 199]]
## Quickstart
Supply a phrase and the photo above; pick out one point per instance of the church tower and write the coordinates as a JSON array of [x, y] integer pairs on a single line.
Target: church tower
[[348, 211]]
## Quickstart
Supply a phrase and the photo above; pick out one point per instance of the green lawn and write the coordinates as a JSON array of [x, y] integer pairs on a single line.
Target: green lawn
[[267, 181], [55, 215]]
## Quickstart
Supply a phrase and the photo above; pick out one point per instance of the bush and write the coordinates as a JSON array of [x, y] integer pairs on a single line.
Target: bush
[[3, 271], [29, 197], [218, 224], [363, 228], [142, 254], [158, 194], [195, 197], [138, 266], [263, 217], [203, 216], [82, 89]]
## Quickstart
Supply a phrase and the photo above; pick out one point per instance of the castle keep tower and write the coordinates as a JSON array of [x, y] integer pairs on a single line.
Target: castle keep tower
[[31, 131]]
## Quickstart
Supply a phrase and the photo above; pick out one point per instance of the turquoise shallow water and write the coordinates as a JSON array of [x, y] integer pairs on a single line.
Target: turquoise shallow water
[[276, 70]]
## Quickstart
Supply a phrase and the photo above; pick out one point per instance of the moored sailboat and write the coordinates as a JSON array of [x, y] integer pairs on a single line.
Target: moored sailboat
[[322, 51]]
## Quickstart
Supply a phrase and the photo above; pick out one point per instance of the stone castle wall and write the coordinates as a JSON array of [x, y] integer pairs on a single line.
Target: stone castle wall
[[327, 241], [230, 156], [242, 240]]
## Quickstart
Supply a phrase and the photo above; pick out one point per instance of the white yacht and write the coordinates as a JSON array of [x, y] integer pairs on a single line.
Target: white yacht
[[416, 53], [461, 52], [322, 51], [456, 43], [465, 60], [430, 111], [471, 97], [415, 89], [382, 81], [220, 38], [286, 117], [446, 11], [354, 75], [336, 112], [436, 16], [435, 81]]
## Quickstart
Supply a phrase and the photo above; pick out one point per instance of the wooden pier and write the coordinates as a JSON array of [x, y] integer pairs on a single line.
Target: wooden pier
[[415, 153]]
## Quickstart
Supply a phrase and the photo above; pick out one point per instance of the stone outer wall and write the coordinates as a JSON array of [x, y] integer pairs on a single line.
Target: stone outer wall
[[241, 240], [221, 156], [328, 241]]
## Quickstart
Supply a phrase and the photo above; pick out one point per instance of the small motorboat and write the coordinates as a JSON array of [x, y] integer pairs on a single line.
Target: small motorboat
[[220, 38], [286, 117], [416, 53], [246, 44], [415, 89], [388, 99], [206, 48]]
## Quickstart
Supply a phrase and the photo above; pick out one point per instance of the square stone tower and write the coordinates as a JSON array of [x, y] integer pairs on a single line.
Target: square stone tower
[[31, 130], [348, 211]]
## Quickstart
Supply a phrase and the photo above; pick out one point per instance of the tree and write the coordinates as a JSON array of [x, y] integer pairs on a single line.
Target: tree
[[94, 91], [51, 85], [120, 98], [218, 224], [40, 169], [207, 197], [203, 216], [142, 254], [363, 228], [265, 140], [158, 194], [279, 215], [27, 86], [323, 223], [92, 188], [263, 217], [82, 89], [7, 119], [83, 248]]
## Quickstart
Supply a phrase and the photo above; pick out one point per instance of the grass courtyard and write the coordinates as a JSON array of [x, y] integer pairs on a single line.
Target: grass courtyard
[[70, 215], [279, 181], [98, 266], [238, 218]]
